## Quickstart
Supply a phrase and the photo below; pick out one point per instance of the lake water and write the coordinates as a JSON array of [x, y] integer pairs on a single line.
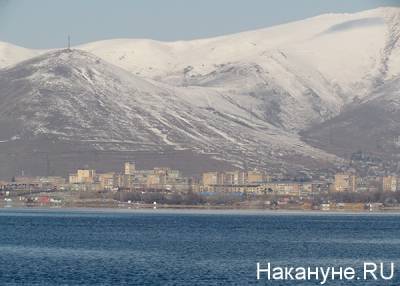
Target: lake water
[[167, 248]]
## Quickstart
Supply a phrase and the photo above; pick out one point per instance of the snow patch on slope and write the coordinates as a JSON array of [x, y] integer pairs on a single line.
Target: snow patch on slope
[[11, 54]]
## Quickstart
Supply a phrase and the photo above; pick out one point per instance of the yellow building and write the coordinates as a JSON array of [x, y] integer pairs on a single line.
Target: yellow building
[[83, 176], [229, 178], [73, 179], [345, 182], [389, 184], [129, 168], [210, 178], [153, 180], [107, 180], [254, 177]]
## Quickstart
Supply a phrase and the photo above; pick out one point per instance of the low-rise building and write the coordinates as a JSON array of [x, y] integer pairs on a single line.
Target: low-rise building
[[294, 189], [51, 182]]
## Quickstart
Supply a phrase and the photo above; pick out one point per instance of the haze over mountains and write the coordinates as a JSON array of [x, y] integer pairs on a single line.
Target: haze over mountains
[[299, 96]]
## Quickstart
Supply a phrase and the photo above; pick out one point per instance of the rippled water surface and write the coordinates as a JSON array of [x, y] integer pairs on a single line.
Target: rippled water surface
[[167, 248]]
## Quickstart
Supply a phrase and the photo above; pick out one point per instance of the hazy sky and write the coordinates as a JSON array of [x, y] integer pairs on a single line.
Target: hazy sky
[[46, 23]]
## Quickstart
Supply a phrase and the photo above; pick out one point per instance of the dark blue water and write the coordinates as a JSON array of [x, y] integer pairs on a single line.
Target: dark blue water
[[80, 248]]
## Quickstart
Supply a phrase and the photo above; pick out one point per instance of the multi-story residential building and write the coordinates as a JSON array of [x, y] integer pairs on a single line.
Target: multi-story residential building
[[233, 178], [320, 187], [108, 181], [129, 168], [389, 184], [139, 178], [210, 178], [158, 178], [345, 182], [73, 179], [254, 177], [153, 180], [83, 176], [130, 179], [229, 178]]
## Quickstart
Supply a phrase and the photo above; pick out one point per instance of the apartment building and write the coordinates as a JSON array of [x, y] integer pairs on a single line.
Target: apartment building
[[344, 182]]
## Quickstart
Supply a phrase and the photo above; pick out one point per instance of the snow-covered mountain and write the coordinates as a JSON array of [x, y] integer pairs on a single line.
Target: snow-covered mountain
[[311, 68], [370, 125], [11, 54], [346, 50], [302, 72], [74, 96], [243, 97]]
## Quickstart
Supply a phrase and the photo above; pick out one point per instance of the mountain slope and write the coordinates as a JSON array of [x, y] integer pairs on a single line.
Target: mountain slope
[[73, 96], [244, 98], [303, 72], [312, 35], [311, 68], [312, 42], [371, 125], [11, 54]]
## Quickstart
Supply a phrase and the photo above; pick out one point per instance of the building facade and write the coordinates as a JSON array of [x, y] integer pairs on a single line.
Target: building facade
[[389, 184], [344, 182]]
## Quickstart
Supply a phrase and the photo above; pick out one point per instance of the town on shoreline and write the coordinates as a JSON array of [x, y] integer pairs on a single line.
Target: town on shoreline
[[163, 187]]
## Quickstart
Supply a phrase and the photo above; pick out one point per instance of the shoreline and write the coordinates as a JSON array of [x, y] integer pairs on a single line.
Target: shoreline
[[192, 210]]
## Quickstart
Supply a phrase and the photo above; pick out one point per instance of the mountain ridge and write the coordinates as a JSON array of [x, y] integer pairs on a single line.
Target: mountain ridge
[[256, 99], [74, 96]]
